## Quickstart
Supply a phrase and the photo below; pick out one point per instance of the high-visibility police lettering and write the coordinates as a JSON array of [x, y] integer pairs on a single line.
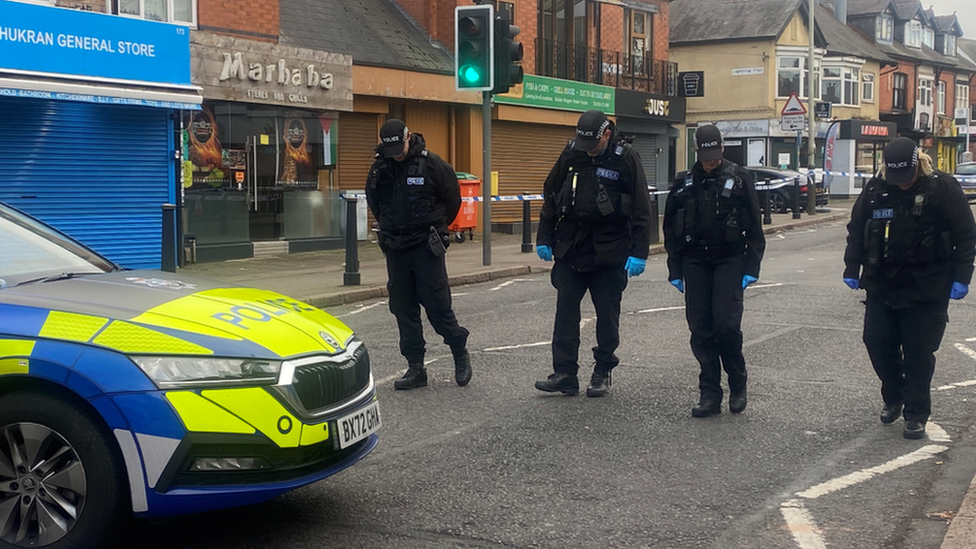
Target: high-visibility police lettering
[[239, 314]]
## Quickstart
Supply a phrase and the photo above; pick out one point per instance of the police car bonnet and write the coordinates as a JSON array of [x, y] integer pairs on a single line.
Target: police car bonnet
[[901, 159], [392, 135]]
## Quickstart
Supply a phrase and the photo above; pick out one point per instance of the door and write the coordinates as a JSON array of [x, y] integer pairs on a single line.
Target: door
[[757, 152], [264, 199]]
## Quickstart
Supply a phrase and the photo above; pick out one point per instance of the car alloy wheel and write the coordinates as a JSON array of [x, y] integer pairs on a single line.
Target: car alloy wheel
[[778, 203], [62, 477]]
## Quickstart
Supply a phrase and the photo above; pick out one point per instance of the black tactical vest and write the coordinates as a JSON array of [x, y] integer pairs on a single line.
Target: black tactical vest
[[710, 215], [407, 198], [904, 228], [598, 190]]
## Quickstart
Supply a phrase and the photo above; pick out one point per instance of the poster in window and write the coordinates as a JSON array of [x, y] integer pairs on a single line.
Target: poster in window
[[330, 138], [299, 168], [234, 159], [203, 148]]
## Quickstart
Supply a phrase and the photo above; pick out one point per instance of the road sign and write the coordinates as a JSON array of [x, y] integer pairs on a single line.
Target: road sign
[[793, 122], [823, 110], [793, 106]]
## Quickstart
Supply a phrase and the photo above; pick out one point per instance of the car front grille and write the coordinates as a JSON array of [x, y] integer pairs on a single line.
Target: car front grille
[[328, 383]]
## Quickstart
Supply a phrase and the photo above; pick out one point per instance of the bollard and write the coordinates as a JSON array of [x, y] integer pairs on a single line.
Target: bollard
[[168, 258], [655, 235], [351, 276], [796, 197], [527, 227], [811, 193], [767, 205]]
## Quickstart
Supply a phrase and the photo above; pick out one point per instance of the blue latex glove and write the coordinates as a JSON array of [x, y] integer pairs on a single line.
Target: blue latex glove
[[852, 283], [747, 280], [635, 266], [545, 252], [959, 290], [679, 284]]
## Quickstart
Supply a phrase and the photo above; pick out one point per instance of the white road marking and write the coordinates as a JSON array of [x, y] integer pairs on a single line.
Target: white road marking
[[658, 310], [509, 347], [971, 339], [459, 294], [936, 433], [387, 379], [361, 309], [957, 384], [800, 523], [966, 350], [857, 477], [502, 285], [770, 285], [770, 335]]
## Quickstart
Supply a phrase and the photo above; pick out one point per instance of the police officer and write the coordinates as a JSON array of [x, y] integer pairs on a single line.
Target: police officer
[[414, 194], [714, 239], [595, 223], [911, 243]]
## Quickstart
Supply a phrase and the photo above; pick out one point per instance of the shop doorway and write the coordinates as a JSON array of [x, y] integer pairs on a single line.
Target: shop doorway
[[264, 198], [757, 152]]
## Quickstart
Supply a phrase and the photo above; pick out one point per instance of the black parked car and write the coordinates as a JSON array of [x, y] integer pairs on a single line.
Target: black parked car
[[780, 187]]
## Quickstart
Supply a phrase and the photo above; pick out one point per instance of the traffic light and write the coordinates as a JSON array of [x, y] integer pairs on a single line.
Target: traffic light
[[474, 44], [508, 53]]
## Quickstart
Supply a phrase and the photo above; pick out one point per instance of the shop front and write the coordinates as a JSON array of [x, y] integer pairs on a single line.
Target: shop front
[[87, 132], [648, 118], [260, 156], [854, 148]]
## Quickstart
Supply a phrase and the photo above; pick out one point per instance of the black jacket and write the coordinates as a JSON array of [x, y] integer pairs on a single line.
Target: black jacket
[[607, 218], [908, 246], [407, 204], [701, 221]]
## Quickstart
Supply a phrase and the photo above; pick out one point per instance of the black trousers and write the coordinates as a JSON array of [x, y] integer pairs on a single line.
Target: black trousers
[[713, 307], [606, 288], [418, 277], [902, 345]]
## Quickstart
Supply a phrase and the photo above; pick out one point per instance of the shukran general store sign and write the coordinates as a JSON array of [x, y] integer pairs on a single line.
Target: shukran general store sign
[[236, 69]]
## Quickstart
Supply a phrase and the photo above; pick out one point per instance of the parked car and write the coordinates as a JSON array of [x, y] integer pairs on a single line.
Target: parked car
[[781, 187], [149, 394], [966, 174]]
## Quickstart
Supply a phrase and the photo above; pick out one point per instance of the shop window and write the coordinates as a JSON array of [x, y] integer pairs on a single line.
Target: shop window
[[867, 87], [884, 28], [940, 98], [183, 12], [899, 90]]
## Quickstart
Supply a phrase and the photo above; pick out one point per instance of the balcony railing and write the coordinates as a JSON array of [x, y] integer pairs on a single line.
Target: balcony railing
[[606, 67]]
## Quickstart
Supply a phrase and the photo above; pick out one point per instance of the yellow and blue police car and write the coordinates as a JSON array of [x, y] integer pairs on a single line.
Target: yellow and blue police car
[[147, 394]]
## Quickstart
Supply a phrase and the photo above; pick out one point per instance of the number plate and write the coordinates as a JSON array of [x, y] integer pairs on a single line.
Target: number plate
[[358, 425]]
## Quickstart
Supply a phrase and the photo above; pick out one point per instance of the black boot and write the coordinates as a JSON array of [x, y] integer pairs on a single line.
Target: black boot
[[914, 429], [707, 407], [890, 413], [737, 402], [599, 384], [559, 383], [416, 376], [462, 368]]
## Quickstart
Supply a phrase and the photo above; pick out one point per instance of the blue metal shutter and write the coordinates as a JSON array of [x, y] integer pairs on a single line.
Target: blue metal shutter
[[97, 172]]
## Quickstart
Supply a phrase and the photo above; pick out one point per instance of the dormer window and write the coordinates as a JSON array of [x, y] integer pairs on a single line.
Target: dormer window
[[913, 34], [884, 28], [949, 45], [928, 37]]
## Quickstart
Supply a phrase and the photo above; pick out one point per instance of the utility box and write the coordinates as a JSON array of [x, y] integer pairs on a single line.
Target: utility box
[[362, 208]]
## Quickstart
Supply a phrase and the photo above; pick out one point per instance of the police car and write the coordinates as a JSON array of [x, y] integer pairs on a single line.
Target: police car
[[148, 394]]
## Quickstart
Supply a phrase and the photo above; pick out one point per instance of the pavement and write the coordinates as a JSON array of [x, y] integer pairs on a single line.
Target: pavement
[[317, 278]]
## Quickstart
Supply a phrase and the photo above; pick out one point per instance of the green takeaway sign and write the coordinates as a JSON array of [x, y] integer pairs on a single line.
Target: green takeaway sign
[[553, 93]]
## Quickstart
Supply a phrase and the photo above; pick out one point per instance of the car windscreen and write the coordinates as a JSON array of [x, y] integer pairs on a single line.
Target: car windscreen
[[966, 169], [30, 250]]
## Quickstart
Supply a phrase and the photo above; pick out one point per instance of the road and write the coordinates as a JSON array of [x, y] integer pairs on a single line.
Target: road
[[499, 465]]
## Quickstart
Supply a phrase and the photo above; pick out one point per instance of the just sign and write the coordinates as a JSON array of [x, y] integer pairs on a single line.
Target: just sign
[[658, 107]]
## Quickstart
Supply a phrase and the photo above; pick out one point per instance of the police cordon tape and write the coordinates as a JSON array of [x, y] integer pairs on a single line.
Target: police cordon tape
[[759, 187]]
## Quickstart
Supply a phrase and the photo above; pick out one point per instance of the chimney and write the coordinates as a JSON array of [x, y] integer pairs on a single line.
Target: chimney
[[840, 10]]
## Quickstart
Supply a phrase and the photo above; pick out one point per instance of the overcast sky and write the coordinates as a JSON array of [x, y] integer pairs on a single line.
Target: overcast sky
[[967, 17]]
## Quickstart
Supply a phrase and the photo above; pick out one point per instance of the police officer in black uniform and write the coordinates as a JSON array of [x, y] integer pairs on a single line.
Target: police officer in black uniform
[[714, 239], [414, 194], [911, 244], [595, 223]]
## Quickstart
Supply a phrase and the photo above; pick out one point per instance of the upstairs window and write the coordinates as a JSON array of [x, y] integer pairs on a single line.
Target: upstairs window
[[867, 87], [884, 28], [183, 12], [792, 75], [928, 37], [913, 34], [925, 92], [841, 85], [962, 95], [949, 45], [899, 90], [940, 98]]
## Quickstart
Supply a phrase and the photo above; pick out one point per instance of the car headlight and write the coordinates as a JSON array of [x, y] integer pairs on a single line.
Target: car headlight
[[183, 371]]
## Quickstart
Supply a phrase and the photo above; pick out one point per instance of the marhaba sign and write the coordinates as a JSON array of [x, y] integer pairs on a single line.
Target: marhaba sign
[[279, 72]]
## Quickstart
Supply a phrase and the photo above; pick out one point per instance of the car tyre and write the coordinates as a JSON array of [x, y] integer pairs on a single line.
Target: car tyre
[[778, 203], [63, 466]]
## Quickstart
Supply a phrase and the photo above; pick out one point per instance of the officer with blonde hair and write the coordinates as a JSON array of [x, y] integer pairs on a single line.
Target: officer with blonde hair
[[911, 244]]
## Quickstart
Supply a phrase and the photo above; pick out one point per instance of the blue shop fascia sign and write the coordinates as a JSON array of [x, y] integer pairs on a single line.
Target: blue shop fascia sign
[[59, 41]]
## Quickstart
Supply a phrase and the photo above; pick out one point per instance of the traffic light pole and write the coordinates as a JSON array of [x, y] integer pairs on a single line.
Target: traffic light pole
[[486, 178]]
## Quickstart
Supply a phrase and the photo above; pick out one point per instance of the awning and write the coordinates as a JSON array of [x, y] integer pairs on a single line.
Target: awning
[[104, 91]]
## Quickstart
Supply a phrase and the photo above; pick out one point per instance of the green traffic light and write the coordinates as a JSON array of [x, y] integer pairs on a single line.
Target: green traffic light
[[471, 74]]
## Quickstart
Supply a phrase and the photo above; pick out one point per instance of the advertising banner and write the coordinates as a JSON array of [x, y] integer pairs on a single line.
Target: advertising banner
[[553, 93]]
